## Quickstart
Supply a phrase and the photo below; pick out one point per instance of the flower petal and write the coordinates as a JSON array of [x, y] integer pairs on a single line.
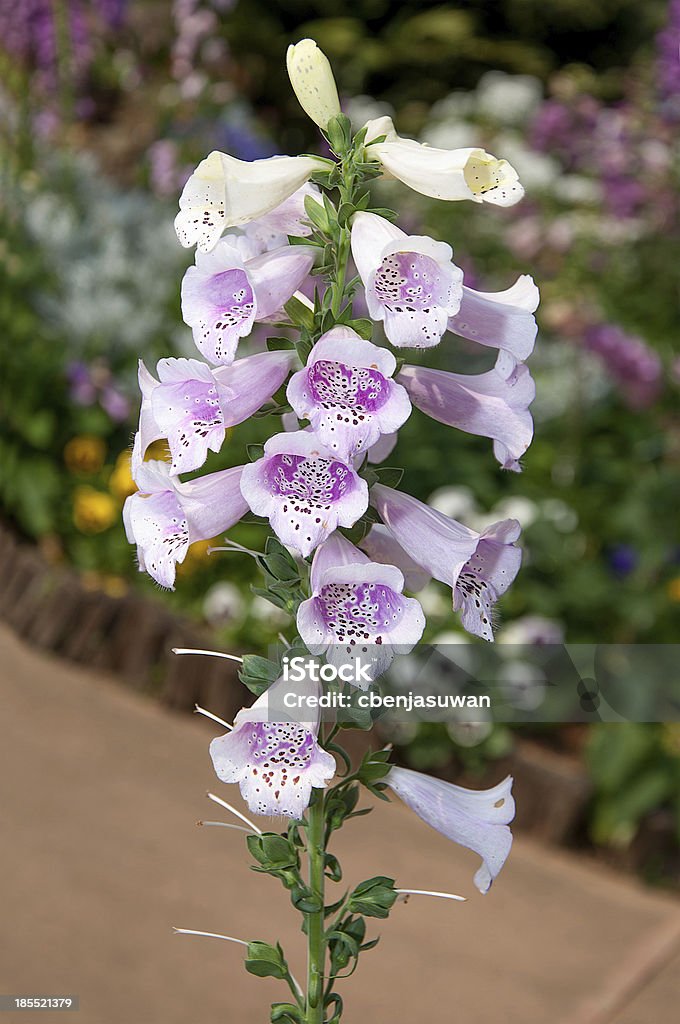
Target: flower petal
[[275, 276]]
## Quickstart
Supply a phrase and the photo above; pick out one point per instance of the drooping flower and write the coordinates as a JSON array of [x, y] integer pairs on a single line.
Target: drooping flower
[[478, 567], [476, 819], [275, 758], [225, 192], [486, 404], [409, 280], [223, 295], [502, 320], [193, 406], [347, 393], [443, 173], [304, 489], [357, 612], [313, 83], [166, 515]]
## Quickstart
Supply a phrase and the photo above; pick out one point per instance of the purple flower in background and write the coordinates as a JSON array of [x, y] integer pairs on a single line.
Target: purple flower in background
[[165, 516], [357, 611], [634, 367], [479, 568], [276, 762], [304, 490], [486, 404], [410, 281], [223, 295], [668, 55], [193, 406], [94, 382], [347, 393], [623, 559], [476, 819]]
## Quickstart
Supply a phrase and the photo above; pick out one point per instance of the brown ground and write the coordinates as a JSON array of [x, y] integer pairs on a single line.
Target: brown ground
[[99, 792]]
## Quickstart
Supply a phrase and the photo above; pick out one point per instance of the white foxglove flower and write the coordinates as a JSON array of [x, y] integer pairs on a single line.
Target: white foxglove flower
[[475, 819], [313, 83], [225, 192], [275, 758], [448, 174]]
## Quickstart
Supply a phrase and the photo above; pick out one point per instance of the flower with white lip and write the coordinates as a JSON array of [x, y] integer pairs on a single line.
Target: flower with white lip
[[347, 393], [304, 489], [275, 758], [223, 295], [313, 83], [448, 174], [225, 192], [410, 281]]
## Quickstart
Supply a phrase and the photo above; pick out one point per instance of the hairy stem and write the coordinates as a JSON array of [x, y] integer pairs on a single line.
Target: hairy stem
[[316, 943]]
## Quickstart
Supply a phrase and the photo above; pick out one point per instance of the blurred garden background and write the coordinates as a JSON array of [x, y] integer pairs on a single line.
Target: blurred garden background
[[107, 105]]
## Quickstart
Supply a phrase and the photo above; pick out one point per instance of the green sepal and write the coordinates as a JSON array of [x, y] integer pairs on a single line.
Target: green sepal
[[332, 867], [266, 961], [304, 900], [389, 476], [300, 314], [373, 898], [278, 344], [317, 214], [273, 852], [286, 1013], [254, 452], [258, 673]]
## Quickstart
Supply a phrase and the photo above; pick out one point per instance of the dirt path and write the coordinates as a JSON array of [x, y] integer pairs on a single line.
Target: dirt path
[[99, 792]]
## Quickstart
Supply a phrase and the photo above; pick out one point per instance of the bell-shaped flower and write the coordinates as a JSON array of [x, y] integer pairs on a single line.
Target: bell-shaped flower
[[347, 393], [502, 320], [476, 819], [165, 515], [409, 280], [223, 295], [225, 192], [304, 490], [486, 404], [479, 567], [357, 614], [443, 173], [274, 757], [193, 405], [313, 83]]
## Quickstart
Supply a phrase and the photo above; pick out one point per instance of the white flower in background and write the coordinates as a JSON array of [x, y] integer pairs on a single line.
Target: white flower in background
[[522, 684], [313, 83], [361, 109], [470, 726], [509, 99], [537, 170], [456, 502], [223, 603]]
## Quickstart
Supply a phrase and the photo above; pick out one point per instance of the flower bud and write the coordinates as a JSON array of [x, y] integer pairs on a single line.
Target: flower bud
[[312, 79]]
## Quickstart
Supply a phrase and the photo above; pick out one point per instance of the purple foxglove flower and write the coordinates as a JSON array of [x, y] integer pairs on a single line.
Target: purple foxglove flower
[[380, 546], [486, 404], [224, 295], [410, 282], [304, 490], [225, 192], [448, 174], [276, 763], [479, 568], [193, 406], [502, 320], [476, 819], [357, 612], [165, 516], [347, 394], [289, 218]]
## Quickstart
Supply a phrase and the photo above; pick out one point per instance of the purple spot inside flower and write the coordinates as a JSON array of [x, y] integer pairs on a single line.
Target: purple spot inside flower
[[232, 297], [410, 282], [360, 613], [312, 481], [288, 746], [361, 389]]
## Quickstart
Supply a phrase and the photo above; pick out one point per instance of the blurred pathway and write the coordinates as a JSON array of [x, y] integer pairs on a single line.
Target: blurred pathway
[[99, 792]]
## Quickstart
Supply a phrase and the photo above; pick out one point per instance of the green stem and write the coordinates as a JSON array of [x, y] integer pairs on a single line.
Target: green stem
[[316, 942]]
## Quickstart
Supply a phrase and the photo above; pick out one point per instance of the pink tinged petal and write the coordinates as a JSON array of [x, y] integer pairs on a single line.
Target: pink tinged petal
[[370, 237], [334, 552], [436, 543], [288, 218], [212, 503], [383, 448], [275, 276], [252, 382], [191, 416], [486, 576], [493, 320], [477, 820], [304, 490], [218, 303], [380, 546], [484, 404], [149, 430], [158, 525]]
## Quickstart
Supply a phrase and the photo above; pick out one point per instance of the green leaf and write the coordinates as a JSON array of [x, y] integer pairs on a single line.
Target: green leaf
[[254, 452], [300, 314], [317, 214], [279, 344], [286, 1013], [389, 476]]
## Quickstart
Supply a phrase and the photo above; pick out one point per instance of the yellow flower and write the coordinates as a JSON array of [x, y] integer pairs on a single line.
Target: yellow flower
[[673, 589], [121, 483], [312, 79], [93, 511], [84, 454]]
